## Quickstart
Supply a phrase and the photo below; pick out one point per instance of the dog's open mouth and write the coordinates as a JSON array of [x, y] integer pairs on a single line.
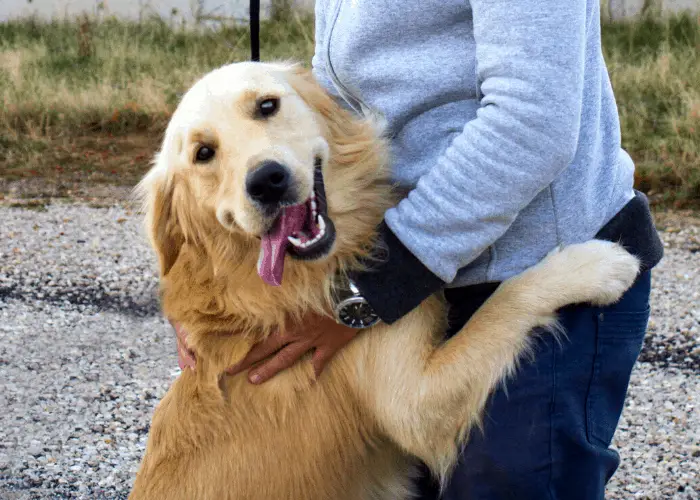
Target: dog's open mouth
[[304, 230]]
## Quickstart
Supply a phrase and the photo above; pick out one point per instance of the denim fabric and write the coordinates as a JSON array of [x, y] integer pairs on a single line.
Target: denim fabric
[[547, 435]]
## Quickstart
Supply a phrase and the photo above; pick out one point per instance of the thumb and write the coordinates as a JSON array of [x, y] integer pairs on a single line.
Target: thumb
[[260, 351], [321, 357]]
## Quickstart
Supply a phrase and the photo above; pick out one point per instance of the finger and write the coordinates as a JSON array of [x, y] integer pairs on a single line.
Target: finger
[[281, 361], [180, 332], [260, 351], [185, 357], [180, 358], [321, 358]]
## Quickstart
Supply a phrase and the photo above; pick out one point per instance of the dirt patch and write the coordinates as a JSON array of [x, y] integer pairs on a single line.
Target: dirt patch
[[97, 168], [675, 220], [37, 192], [93, 158]]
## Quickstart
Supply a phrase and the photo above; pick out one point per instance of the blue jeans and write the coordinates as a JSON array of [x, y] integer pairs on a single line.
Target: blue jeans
[[547, 435]]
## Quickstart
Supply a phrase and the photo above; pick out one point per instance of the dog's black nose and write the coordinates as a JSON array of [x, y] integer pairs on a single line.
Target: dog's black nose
[[268, 183]]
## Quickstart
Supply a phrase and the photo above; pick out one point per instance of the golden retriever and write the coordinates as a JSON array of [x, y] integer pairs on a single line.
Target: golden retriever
[[225, 236]]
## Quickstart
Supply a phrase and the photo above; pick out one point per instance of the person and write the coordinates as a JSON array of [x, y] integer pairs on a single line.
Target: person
[[505, 132]]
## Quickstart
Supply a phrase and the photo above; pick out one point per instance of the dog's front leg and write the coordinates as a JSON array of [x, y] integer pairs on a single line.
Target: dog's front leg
[[427, 399]]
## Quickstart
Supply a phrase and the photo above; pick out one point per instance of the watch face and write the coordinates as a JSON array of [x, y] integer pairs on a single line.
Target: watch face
[[358, 315]]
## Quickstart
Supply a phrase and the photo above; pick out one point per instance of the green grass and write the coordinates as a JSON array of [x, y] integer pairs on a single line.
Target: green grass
[[118, 76], [655, 70], [90, 100]]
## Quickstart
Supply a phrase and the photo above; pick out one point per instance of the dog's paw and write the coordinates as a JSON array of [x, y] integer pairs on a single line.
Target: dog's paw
[[597, 271]]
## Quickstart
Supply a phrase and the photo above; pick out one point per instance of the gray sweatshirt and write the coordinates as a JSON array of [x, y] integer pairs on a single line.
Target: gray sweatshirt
[[503, 123]]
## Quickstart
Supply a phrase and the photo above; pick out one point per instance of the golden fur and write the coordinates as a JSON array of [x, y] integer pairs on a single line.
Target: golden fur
[[395, 393]]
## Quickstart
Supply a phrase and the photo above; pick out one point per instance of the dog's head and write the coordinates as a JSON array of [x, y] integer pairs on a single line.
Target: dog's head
[[258, 160]]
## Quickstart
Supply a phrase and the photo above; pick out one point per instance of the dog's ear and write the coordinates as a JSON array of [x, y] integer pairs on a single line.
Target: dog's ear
[[156, 193], [348, 133], [306, 86]]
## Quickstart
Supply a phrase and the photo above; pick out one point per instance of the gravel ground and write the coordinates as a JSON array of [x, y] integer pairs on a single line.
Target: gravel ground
[[85, 356]]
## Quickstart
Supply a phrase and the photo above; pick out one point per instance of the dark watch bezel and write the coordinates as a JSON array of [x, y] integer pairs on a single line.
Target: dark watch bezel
[[359, 323], [350, 300]]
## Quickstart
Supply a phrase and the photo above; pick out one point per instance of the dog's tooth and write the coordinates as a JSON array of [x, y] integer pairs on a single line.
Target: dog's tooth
[[294, 241], [321, 223], [260, 260], [313, 205]]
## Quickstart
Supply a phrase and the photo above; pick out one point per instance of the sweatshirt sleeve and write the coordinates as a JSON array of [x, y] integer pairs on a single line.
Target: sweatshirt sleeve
[[530, 62], [318, 61]]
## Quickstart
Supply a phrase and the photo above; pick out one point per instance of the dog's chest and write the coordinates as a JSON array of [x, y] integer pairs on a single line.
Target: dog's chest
[[311, 444]]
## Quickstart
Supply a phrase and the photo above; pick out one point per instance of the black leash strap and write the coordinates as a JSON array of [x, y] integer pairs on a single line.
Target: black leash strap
[[254, 30]]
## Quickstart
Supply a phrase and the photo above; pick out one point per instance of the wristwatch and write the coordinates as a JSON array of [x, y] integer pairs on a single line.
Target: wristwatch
[[352, 309]]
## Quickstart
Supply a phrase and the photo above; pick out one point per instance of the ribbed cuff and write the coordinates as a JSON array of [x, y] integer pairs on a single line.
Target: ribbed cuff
[[633, 228], [398, 283]]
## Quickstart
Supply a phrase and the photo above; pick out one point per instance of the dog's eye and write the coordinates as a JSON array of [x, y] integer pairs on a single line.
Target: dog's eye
[[268, 107], [204, 154]]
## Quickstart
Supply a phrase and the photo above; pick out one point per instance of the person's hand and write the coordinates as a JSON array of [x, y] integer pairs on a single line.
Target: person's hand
[[279, 351], [185, 357]]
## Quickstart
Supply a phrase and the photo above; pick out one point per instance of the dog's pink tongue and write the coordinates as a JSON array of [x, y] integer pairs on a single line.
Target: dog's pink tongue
[[274, 244]]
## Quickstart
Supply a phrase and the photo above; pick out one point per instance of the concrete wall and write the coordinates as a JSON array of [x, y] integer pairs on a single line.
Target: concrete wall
[[305, 4], [622, 9], [178, 10], [190, 10]]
